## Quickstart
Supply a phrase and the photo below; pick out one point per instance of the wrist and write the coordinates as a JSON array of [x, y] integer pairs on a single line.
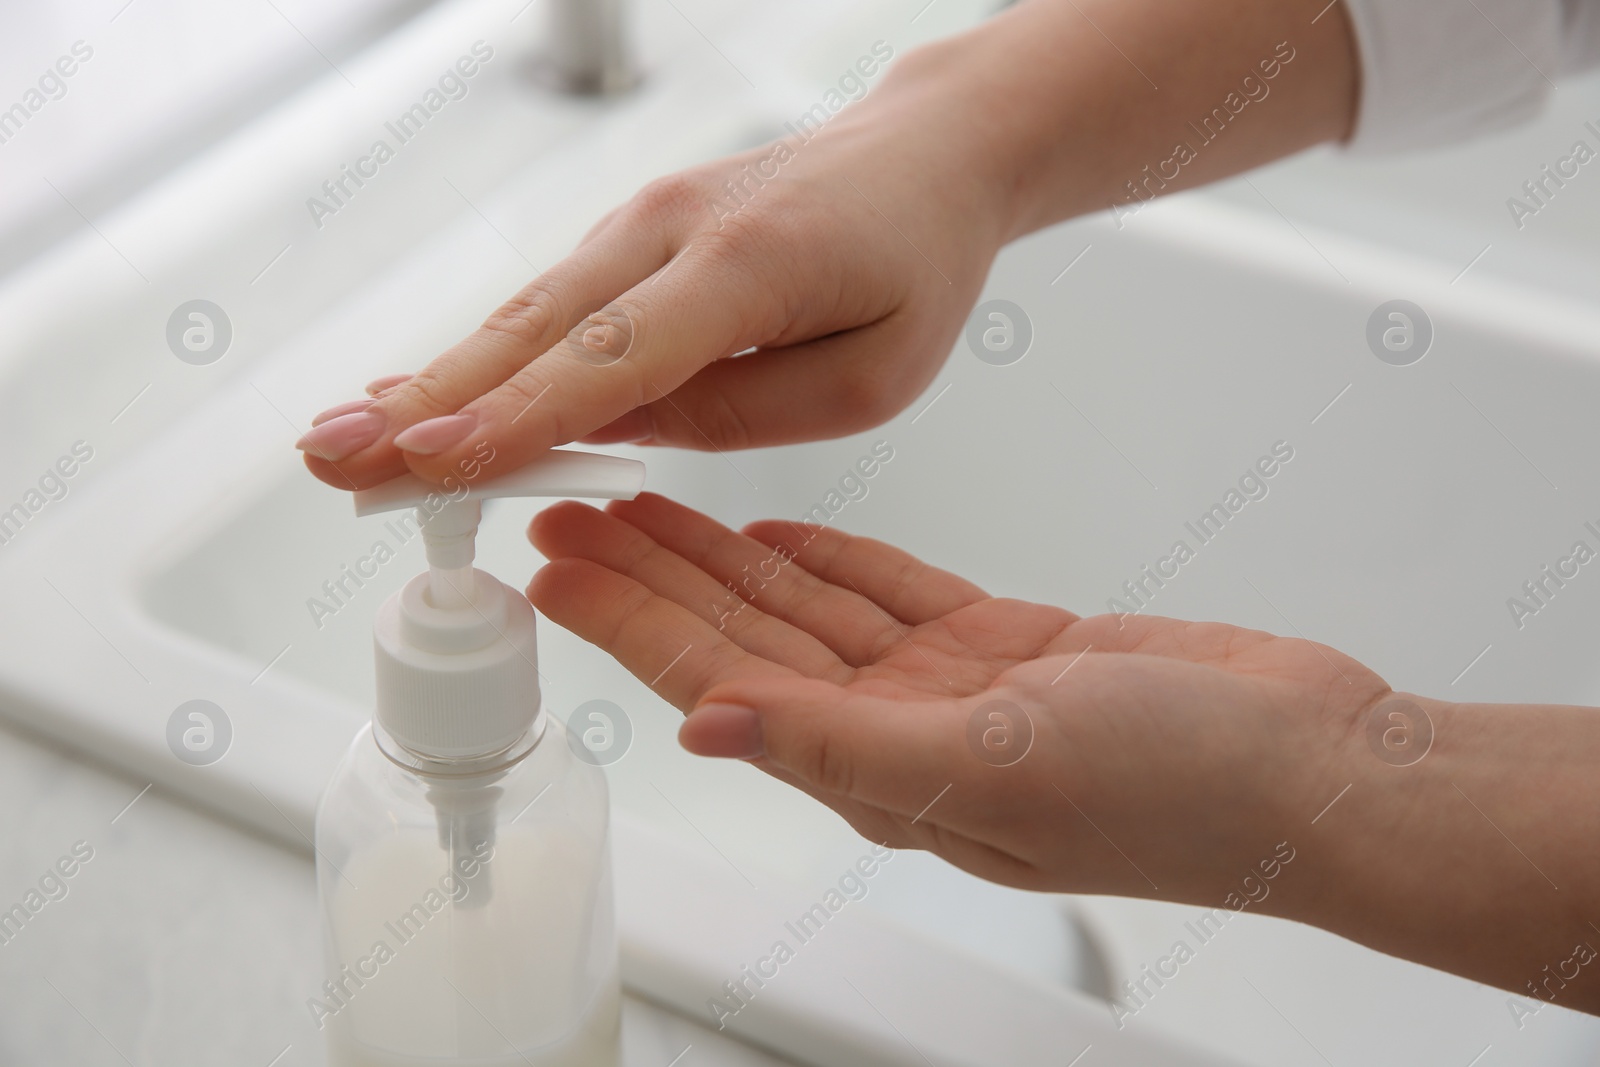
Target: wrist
[[1292, 767], [1464, 840], [980, 110], [927, 120], [1058, 121], [1367, 831]]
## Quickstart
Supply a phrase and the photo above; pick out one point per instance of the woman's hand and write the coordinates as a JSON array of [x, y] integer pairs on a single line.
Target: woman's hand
[[1139, 756], [847, 263], [848, 259]]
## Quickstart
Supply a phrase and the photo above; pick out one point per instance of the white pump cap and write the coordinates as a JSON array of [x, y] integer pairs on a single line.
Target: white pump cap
[[456, 655]]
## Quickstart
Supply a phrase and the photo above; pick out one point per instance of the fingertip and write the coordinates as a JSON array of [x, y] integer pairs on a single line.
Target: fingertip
[[476, 458], [351, 475], [553, 584], [656, 516], [436, 435], [548, 522], [477, 443], [643, 502], [537, 586], [723, 731], [323, 471]]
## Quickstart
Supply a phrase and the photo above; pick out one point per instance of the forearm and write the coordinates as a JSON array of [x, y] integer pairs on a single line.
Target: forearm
[[1481, 858], [1069, 106]]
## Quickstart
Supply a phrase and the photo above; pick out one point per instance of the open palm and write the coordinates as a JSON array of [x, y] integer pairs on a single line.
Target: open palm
[[1017, 740]]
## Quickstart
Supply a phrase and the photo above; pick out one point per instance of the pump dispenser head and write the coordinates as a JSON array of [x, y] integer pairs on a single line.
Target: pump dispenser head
[[456, 654]]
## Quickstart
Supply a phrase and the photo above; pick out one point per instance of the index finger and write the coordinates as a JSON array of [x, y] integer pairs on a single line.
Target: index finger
[[636, 349]]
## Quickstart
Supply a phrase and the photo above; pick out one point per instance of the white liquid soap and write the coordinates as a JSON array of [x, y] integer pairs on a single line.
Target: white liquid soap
[[463, 855]]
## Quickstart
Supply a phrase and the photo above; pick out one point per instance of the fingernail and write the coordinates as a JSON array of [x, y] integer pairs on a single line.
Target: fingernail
[[342, 409], [343, 436], [727, 731], [435, 435], [389, 381]]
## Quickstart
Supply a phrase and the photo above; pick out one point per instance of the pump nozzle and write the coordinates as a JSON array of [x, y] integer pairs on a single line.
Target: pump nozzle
[[449, 515], [455, 647]]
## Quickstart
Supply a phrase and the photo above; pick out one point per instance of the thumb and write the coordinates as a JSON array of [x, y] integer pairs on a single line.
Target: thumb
[[890, 754]]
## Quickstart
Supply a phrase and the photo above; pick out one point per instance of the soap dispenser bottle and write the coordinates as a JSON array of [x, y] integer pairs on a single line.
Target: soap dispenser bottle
[[463, 859]]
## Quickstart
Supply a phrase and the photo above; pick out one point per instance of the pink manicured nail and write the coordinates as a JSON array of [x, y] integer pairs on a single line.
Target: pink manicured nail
[[728, 731], [342, 409], [387, 382], [343, 436], [435, 435]]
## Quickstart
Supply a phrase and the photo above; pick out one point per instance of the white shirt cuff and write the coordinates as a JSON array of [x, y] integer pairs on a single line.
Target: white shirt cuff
[[1435, 71]]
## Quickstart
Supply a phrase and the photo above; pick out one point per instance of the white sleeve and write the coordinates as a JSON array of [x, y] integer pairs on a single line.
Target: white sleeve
[[1435, 71]]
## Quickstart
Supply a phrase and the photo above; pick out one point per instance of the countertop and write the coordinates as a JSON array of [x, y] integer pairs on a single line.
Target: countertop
[[184, 939]]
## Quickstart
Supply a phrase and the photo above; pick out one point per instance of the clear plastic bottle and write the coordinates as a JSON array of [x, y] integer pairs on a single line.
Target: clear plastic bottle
[[463, 855], [468, 908]]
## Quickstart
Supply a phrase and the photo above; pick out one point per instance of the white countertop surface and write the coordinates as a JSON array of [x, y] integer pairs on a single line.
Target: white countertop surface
[[186, 940]]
